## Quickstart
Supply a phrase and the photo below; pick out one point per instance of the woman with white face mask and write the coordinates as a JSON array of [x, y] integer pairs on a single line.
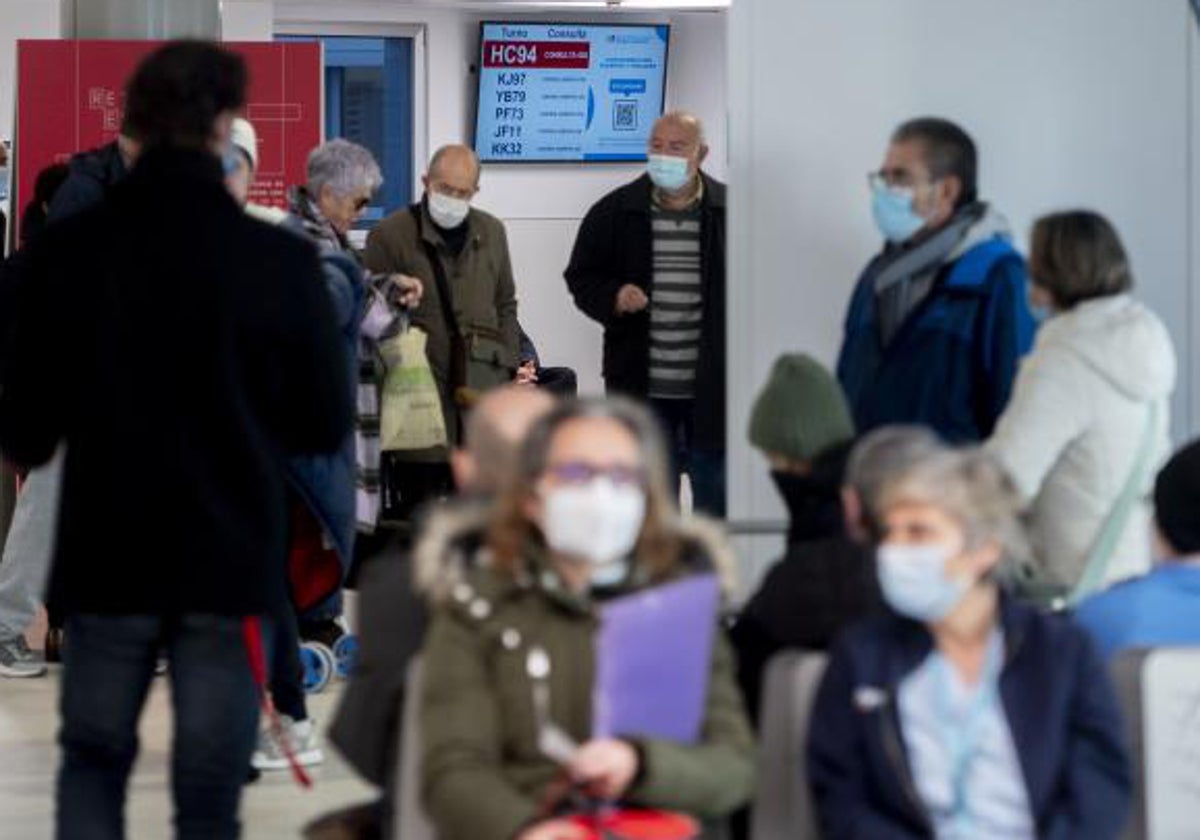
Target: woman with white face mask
[[510, 651], [965, 714]]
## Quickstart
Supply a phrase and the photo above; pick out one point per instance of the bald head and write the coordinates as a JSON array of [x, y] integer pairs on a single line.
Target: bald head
[[677, 141], [495, 431], [683, 122], [454, 171]]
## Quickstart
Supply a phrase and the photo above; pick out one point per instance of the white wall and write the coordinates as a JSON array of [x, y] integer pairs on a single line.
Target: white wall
[[541, 205], [21, 19], [1079, 102]]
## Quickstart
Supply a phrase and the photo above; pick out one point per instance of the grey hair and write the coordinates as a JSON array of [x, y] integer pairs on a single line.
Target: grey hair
[[883, 454], [344, 167], [972, 487]]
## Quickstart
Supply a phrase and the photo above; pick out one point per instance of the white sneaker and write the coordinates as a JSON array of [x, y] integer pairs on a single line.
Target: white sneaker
[[17, 660], [302, 738]]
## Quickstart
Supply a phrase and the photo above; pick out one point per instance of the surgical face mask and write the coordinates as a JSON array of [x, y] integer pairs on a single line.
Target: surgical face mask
[[914, 583], [894, 214], [1040, 312], [446, 211], [598, 521], [668, 172], [3, 182]]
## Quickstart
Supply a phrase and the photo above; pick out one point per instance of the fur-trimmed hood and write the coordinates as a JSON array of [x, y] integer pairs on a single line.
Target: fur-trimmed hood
[[451, 546]]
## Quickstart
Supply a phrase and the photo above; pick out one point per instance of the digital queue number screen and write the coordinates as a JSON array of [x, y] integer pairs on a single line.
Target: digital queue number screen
[[569, 92]]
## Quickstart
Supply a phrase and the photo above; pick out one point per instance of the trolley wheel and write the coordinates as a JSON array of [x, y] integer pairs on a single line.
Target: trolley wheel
[[319, 666], [345, 652]]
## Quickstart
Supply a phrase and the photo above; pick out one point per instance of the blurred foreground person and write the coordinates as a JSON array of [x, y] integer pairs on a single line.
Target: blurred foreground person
[[391, 614], [965, 714], [171, 533], [588, 517]]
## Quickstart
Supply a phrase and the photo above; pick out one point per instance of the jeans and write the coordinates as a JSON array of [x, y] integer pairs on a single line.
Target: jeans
[[704, 467], [26, 562], [108, 665]]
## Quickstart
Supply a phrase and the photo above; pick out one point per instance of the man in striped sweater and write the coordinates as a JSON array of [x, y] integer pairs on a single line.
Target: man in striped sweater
[[649, 266]]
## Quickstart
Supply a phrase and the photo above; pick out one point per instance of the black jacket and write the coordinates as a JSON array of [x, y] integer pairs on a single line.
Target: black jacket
[[816, 591], [1060, 706], [180, 349], [613, 249]]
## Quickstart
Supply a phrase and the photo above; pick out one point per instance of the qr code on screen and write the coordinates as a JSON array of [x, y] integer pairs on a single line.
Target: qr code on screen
[[625, 115]]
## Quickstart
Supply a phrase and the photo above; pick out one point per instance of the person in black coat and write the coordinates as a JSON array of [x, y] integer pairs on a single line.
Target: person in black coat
[[663, 307], [180, 350], [826, 578]]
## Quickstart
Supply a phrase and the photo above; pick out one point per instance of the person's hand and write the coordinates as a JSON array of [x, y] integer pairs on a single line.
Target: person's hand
[[606, 767], [405, 290], [555, 830], [527, 373], [631, 299]]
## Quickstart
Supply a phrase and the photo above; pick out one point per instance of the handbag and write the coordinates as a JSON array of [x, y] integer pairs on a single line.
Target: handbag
[[479, 358], [411, 412]]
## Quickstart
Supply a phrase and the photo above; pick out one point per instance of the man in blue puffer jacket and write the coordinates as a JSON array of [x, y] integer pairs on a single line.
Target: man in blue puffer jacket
[[939, 319]]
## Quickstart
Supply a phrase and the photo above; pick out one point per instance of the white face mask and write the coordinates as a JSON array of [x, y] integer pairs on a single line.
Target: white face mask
[[599, 521], [446, 211]]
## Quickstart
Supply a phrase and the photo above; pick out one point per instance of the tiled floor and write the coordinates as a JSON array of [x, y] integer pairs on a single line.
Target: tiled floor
[[272, 808]]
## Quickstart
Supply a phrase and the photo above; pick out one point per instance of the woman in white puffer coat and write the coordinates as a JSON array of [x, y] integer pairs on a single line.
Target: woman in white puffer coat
[[1090, 405]]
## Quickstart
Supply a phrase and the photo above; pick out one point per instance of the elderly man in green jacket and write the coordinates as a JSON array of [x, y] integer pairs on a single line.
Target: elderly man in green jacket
[[469, 311]]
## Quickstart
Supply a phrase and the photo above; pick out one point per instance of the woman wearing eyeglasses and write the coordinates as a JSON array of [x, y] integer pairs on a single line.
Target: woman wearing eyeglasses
[[331, 493], [588, 517]]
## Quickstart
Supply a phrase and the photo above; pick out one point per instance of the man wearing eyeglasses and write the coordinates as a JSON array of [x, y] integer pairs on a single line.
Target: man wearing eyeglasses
[[469, 311], [939, 319]]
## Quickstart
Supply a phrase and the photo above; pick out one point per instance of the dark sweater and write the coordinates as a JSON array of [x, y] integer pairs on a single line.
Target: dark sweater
[[180, 349]]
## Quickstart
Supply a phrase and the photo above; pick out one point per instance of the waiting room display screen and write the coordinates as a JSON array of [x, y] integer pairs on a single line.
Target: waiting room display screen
[[569, 92]]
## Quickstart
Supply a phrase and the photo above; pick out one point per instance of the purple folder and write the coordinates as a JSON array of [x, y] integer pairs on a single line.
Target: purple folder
[[653, 656]]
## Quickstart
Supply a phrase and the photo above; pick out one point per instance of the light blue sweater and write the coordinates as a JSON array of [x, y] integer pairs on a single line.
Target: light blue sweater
[[1158, 609]]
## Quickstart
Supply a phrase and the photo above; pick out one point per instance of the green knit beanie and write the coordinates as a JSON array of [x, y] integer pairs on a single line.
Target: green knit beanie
[[801, 411]]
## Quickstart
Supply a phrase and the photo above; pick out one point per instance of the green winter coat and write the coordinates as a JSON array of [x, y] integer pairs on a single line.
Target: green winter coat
[[483, 776], [480, 280]]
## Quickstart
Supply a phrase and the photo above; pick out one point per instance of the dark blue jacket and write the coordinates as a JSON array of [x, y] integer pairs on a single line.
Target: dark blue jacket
[[327, 482], [951, 365], [93, 173], [1060, 707]]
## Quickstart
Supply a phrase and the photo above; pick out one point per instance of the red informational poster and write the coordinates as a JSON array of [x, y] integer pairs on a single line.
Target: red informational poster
[[70, 98]]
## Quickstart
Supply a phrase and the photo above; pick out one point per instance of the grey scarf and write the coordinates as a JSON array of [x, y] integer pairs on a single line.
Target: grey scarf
[[905, 276]]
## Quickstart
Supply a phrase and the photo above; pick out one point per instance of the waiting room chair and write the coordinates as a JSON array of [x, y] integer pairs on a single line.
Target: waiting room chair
[[409, 821], [783, 807], [1159, 692]]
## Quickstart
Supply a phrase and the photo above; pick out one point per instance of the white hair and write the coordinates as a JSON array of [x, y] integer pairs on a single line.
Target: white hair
[[344, 167]]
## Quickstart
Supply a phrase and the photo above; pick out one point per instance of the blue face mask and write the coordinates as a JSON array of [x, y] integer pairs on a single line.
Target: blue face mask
[[1040, 313], [914, 583], [894, 214], [230, 161], [668, 172]]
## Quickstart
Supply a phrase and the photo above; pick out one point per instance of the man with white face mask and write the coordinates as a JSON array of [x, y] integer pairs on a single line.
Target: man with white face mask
[[460, 254], [649, 266], [939, 319]]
